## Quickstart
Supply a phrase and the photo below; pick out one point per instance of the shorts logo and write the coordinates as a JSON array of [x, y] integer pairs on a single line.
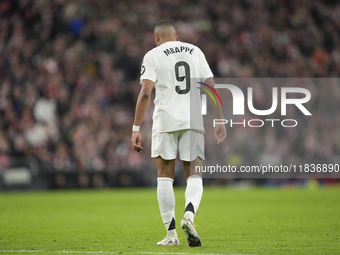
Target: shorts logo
[[207, 91], [142, 70]]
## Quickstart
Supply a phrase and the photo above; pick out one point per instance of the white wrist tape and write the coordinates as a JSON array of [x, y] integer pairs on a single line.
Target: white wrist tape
[[135, 128]]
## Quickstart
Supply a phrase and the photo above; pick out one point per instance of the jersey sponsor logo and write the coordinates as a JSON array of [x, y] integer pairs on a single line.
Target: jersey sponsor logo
[[142, 71]]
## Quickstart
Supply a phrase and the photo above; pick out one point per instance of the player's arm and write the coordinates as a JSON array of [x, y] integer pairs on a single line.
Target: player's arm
[[220, 130], [142, 105]]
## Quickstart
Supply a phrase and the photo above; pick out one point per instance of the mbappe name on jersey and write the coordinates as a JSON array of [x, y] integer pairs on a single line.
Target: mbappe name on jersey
[[174, 50]]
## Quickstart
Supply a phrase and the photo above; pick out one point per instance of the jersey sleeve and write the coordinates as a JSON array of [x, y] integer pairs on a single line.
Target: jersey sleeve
[[149, 67], [205, 69]]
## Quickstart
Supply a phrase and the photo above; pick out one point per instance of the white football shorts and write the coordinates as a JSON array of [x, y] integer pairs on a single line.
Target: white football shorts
[[189, 143]]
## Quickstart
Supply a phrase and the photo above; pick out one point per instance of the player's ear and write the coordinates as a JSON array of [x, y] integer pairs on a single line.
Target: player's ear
[[157, 38], [176, 36]]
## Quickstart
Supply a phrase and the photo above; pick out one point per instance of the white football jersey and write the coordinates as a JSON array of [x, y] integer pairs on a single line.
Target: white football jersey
[[175, 67]]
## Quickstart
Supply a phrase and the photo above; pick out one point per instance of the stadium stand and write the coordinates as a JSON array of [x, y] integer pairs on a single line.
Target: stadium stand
[[69, 78]]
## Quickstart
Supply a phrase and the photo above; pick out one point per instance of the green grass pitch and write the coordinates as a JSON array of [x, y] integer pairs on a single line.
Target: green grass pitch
[[127, 221]]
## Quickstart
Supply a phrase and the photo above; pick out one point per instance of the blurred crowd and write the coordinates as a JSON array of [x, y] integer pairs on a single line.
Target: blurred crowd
[[69, 72]]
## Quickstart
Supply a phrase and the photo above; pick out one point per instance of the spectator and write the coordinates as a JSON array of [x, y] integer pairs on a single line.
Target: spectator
[[69, 73]]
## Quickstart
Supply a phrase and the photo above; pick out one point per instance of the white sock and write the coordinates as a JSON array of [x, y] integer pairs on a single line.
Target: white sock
[[166, 202], [193, 196]]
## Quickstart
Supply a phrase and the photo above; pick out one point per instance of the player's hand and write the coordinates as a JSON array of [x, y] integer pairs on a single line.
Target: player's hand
[[136, 141], [220, 133]]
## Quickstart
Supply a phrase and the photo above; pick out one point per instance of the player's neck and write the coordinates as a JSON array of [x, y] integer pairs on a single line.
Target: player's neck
[[168, 40]]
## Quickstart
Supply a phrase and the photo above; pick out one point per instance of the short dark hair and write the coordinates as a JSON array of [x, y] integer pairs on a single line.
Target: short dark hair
[[164, 24]]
